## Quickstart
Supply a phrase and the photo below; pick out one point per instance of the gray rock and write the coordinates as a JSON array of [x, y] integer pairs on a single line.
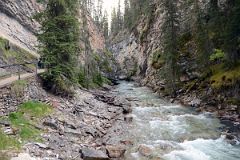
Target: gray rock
[[41, 145], [128, 118], [145, 150], [92, 131], [9, 131], [24, 156], [115, 151], [127, 109], [51, 123], [172, 100], [92, 154], [72, 131], [195, 102], [4, 123]]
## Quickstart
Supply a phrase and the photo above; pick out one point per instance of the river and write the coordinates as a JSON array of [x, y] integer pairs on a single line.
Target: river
[[172, 131]]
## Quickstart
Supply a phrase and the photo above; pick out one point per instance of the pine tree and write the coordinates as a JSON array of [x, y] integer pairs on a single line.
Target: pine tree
[[98, 15], [170, 29], [119, 17], [117, 22], [200, 35], [127, 14], [114, 23], [59, 38], [232, 33], [105, 24]]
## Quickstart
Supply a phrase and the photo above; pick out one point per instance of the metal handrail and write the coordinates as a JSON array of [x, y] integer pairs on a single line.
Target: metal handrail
[[18, 64], [21, 64]]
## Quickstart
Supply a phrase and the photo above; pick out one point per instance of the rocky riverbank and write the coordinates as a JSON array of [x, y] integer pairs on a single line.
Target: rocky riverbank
[[82, 127]]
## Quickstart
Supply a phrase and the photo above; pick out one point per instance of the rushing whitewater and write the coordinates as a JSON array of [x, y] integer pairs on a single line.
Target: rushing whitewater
[[171, 131]]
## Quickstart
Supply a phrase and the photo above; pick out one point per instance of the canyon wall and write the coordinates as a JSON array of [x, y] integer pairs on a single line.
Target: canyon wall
[[17, 24]]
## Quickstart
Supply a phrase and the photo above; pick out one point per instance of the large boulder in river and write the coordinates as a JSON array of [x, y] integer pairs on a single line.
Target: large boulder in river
[[92, 154], [145, 150], [115, 151]]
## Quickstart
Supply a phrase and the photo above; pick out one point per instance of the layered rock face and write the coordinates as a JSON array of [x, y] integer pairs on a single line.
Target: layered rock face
[[126, 51], [97, 40], [145, 42], [17, 24]]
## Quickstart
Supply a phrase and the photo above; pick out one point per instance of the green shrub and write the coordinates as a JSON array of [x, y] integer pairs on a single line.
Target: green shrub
[[96, 57], [218, 55], [82, 80], [98, 79], [59, 85], [108, 53], [106, 66]]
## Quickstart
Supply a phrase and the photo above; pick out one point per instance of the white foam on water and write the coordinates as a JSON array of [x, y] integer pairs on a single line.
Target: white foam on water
[[170, 143], [205, 149], [177, 117], [135, 155], [166, 144], [171, 106], [188, 153], [145, 109], [174, 124]]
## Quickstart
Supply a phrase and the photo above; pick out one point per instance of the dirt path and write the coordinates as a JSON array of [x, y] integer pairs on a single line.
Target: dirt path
[[7, 81]]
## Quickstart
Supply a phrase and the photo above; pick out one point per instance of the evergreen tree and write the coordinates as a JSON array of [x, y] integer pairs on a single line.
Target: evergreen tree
[[200, 35], [86, 75], [117, 20], [59, 38], [134, 9], [232, 32], [114, 23], [105, 24], [215, 23], [170, 29], [119, 17], [127, 14], [98, 15]]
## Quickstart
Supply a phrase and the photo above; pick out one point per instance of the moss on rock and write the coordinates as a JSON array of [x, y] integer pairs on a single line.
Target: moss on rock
[[224, 78]]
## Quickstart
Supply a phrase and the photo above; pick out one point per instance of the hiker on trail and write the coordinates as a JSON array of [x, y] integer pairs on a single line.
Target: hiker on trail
[[40, 63]]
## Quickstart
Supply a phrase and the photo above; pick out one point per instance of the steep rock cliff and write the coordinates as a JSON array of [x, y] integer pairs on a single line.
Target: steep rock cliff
[[17, 24]]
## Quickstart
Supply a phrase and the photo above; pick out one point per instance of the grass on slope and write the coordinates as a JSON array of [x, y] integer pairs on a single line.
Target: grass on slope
[[7, 142], [26, 117], [24, 122], [14, 54], [35, 109]]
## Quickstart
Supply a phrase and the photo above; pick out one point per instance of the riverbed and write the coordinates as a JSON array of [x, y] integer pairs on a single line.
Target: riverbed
[[172, 131]]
